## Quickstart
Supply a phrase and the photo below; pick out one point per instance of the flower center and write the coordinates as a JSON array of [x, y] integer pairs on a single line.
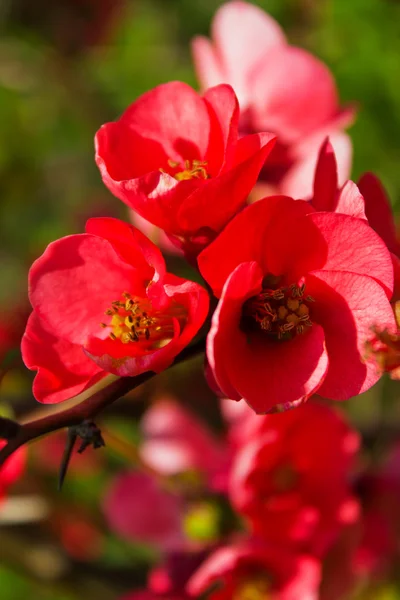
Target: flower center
[[284, 478], [193, 169], [134, 320], [281, 313], [253, 589]]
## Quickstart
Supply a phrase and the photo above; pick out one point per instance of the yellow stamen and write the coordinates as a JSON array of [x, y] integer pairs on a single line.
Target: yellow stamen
[[256, 588], [134, 320], [193, 169]]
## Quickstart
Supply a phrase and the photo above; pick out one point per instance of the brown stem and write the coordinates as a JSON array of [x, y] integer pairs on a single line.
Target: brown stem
[[88, 409]]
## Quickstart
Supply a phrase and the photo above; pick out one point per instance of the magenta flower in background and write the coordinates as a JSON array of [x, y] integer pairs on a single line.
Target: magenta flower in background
[[281, 88]]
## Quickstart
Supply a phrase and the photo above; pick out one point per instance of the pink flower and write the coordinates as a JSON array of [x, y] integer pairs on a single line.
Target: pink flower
[[255, 570], [175, 442], [290, 477], [299, 292], [104, 303], [139, 509], [281, 88], [175, 158]]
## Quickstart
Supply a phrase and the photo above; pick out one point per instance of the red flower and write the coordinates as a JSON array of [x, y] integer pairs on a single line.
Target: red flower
[[12, 470], [281, 88], [256, 571], [104, 303], [175, 158], [290, 477], [299, 293]]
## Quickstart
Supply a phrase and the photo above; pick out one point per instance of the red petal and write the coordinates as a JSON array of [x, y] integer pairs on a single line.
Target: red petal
[[378, 210], [213, 204], [325, 179], [74, 282], [63, 370], [175, 116], [135, 249], [240, 241], [226, 316], [350, 201], [225, 110], [396, 278], [347, 305], [351, 245], [122, 153], [132, 245]]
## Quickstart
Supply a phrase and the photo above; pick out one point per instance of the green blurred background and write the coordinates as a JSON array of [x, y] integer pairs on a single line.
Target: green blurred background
[[66, 67]]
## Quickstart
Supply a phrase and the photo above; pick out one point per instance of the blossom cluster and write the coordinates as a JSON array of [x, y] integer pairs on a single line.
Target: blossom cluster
[[249, 181], [279, 508]]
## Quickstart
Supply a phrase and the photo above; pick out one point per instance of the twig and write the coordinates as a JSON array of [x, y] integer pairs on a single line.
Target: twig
[[88, 409]]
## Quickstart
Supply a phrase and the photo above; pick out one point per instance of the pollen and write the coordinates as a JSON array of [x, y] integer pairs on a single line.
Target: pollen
[[281, 313], [133, 320], [256, 588], [190, 169]]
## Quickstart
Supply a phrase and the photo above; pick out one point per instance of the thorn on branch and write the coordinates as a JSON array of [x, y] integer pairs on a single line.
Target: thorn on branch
[[8, 428], [89, 434]]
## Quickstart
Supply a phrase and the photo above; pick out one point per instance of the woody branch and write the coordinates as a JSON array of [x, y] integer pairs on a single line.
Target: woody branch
[[88, 409]]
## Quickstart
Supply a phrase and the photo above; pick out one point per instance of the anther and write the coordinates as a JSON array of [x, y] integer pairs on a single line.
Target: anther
[[128, 304], [278, 295], [293, 304], [173, 164], [125, 338], [282, 312]]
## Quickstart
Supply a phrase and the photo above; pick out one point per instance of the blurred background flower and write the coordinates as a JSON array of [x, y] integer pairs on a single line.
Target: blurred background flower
[[66, 67]]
